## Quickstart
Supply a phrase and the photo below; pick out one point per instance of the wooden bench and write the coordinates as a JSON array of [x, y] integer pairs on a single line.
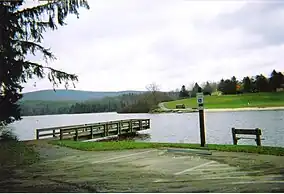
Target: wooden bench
[[256, 132]]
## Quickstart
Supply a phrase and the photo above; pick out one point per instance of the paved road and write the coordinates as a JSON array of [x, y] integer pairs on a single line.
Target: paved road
[[162, 106], [151, 170]]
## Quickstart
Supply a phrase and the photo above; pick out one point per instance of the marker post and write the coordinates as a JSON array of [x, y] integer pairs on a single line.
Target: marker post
[[199, 96]]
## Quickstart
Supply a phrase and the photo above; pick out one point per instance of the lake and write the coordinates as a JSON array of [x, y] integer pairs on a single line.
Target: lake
[[173, 127]]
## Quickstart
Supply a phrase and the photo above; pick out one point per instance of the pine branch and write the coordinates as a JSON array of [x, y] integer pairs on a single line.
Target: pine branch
[[33, 47], [64, 7], [54, 75], [35, 11]]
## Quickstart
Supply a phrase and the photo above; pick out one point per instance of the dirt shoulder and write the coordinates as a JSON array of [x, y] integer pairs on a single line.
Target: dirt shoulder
[[147, 170]]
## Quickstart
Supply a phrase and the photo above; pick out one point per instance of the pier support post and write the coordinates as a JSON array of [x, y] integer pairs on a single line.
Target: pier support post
[[140, 125], [76, 135], [105, 130], [61, 134], [130, 126], [118, 128], [92, 132]]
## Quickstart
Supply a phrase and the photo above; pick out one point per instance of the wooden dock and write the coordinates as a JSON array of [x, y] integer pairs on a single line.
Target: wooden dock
[[93, 130]]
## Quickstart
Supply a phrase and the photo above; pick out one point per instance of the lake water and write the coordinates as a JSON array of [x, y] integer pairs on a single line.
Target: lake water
[[174, 127]]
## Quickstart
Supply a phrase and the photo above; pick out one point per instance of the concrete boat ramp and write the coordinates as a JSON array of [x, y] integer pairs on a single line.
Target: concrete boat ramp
[[149, 170]]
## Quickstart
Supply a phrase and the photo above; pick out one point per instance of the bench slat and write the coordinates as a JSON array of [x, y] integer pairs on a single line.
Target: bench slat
[[248, 131]]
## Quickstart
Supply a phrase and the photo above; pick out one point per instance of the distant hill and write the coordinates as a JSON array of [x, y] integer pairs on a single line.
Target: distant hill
[[71, 95]]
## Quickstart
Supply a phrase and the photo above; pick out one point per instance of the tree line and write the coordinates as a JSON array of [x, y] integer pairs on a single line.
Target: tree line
[[147, 101], [126, 103], [258, 83]]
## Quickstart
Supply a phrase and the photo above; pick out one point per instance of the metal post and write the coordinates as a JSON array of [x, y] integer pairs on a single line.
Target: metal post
[[199, 96], [202, 127]]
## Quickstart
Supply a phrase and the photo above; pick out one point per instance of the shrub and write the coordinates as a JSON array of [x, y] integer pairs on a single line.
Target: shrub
[[8, 135]]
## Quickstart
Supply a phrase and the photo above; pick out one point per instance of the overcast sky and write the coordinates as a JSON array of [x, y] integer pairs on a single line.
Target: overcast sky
[[127, 44]]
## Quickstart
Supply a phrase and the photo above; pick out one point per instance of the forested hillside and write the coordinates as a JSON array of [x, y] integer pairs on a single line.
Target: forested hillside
[[70, 101], [70, 95], [126, 103]]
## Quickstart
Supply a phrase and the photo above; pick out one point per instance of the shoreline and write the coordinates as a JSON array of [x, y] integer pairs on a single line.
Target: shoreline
[[189, 110], [244, 109]]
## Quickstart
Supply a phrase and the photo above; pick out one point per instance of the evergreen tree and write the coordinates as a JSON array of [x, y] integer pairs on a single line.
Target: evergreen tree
[[262, 84], [221, 86], [276, 80], [183, 92], [233, 85], [196, 88], [247, 85], [21, 33], [207, 90]]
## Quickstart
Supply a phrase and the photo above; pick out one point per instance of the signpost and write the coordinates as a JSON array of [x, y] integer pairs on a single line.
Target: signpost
[[200, 99], [200, 103]]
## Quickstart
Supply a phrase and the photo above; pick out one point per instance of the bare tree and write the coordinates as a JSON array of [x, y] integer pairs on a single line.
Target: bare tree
[[153, 88], [190, 86]]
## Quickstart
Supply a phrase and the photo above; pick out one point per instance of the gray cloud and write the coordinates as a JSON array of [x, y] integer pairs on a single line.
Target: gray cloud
[[119, 45], [260, 18]]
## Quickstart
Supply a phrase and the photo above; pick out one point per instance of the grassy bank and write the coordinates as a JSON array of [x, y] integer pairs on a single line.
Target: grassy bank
[[121, 145], [14, 153], [234, 101]]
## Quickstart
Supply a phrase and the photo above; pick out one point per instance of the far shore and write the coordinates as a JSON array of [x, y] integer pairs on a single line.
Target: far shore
[[244, 109], [163, 109]]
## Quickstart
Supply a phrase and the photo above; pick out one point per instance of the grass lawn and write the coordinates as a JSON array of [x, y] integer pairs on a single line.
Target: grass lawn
[[234, 101], [121, 145]]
